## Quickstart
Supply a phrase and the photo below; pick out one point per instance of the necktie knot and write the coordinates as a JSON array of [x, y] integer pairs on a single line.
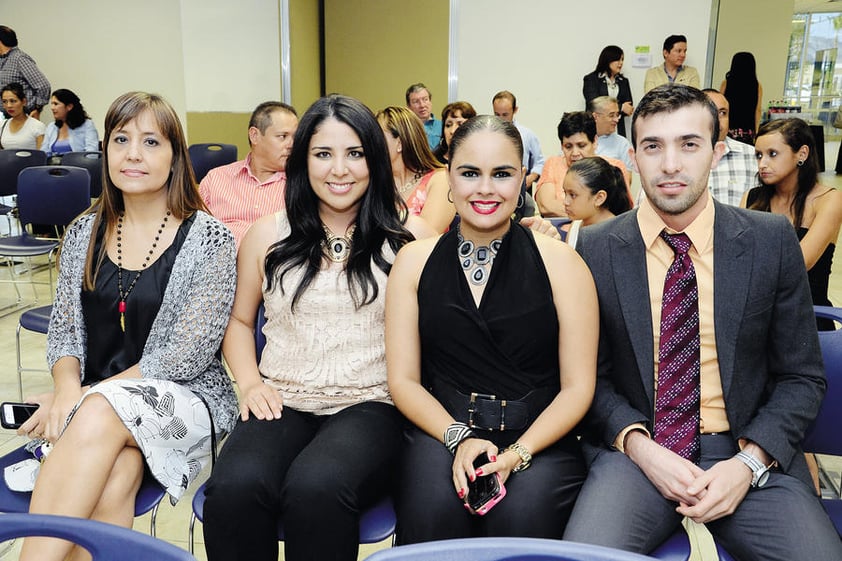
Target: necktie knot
[[680, 243]]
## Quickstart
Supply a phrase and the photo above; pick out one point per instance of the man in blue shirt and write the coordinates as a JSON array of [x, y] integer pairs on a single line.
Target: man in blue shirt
[[505, 107], [420, 101]]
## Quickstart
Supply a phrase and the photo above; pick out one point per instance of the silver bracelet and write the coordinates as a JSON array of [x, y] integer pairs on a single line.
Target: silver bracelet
[[455, 434]]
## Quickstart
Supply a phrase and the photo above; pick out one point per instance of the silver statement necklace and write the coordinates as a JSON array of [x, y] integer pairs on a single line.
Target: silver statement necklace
[[477, 260], [338, 248]]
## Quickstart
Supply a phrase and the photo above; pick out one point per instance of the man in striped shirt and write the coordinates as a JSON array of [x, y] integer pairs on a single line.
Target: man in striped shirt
[[240, 193]]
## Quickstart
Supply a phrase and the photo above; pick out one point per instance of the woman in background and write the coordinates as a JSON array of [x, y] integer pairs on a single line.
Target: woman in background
[[492, 396], [453, 115], [744, 94], [606, 79], [73, 130], [144, 292], [594, 191], [788, 170], [420, 179], [19, 130]]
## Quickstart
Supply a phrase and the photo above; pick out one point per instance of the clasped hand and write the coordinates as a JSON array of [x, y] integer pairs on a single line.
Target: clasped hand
[[702, 495]]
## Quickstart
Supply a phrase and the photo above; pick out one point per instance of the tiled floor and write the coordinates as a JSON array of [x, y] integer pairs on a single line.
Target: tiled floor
[[172, 522]]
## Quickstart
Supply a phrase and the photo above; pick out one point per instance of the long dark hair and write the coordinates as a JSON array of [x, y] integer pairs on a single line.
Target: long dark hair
[[598, 175], [741, 87], [796, 133], [608, 55], [378, 221], [75, 116]]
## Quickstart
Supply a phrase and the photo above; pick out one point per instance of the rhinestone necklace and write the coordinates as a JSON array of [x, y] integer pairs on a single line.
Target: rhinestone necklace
[[477, 260], [121, 307]]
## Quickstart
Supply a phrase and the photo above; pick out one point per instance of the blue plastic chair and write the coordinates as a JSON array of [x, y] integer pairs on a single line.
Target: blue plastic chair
[[105, 542], [147, 499], [52, 195], [37, 320], [12, 161], [91, 161], [205, 157], [503, 549]]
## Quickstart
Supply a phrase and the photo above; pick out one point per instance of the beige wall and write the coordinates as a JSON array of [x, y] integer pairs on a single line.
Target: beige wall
[[305, 76], [374, 49], [762, 27]]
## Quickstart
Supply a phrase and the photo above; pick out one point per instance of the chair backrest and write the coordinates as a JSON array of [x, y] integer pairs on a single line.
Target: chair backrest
[[105, 542], [504, 549], [12, 161], [91, 161], [259, 337], [205, 157], [53, 195], [822, 436]]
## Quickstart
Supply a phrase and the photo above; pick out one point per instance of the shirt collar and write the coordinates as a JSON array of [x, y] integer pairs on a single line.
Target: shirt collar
[[247, 169], [700, 231]]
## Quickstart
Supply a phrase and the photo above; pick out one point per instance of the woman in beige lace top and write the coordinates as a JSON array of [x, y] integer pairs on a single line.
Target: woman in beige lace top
[[318, 438]]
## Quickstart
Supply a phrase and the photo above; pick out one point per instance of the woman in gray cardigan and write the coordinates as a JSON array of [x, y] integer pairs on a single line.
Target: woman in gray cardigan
[[144, 293]]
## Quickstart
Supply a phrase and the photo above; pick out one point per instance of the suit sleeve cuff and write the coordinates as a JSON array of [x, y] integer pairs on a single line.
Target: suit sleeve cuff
[[621, 438]]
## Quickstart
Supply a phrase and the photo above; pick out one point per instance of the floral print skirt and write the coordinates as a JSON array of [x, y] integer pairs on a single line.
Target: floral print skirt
[[170, 424]]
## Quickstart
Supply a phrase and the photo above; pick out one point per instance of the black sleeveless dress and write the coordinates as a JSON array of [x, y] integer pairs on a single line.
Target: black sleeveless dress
[[508, 346]]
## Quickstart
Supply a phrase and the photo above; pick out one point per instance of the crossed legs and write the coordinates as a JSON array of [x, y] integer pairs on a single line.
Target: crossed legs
[[94, 471]]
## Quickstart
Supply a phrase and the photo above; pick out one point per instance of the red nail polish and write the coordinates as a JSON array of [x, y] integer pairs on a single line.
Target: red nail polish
[[461, 493], [493, 458], [472, 477], [479, 471]]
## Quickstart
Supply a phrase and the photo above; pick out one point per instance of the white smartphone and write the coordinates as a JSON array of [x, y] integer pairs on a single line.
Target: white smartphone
[[13, 415]]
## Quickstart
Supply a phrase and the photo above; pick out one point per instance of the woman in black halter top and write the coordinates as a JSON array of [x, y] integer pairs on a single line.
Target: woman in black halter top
[[491, 337]]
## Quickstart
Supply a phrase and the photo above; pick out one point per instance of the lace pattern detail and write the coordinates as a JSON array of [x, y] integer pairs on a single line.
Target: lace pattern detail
[[327, 355]]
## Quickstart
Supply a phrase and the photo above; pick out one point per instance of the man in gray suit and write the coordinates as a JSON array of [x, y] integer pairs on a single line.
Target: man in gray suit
[[758, 378]]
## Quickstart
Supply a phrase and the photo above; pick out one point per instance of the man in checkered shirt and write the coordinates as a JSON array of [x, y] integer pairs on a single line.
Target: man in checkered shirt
[[18, 67], [736, 172]]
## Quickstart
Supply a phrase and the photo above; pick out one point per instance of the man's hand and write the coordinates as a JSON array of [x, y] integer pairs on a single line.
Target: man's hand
[[671, 474], [720, 491]]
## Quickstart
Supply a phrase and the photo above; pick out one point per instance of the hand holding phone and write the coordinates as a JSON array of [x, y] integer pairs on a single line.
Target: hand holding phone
[[484, 491], [13, 415]]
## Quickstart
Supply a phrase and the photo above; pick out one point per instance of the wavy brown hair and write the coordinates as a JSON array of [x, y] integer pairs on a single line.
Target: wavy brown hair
[[405, 125], [183, 197]]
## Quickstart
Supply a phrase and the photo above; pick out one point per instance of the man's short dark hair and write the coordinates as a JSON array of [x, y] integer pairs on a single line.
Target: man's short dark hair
[[8, 36], [672, 97], [575, 122], [415, 88], [505, 94], [261, 117], [670, 41]]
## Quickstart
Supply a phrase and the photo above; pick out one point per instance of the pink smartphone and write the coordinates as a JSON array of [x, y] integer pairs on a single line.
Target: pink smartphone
[[485, 491]]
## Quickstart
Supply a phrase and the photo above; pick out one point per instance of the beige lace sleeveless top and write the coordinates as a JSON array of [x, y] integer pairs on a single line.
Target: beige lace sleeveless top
[[328, 355]]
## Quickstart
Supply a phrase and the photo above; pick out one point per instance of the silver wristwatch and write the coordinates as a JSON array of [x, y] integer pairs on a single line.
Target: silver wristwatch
[[759, 471]]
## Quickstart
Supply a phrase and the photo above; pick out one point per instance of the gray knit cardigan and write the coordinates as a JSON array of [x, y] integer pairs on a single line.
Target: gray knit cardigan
[[188, 329]]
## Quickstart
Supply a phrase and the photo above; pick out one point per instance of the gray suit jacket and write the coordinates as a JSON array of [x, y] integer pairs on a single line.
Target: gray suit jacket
[[769, 358]]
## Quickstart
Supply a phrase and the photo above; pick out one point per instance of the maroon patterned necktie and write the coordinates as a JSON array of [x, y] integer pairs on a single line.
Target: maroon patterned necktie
[[677, 402]]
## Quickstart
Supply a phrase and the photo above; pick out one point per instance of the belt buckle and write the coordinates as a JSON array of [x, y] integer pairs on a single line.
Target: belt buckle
[[488, 397]]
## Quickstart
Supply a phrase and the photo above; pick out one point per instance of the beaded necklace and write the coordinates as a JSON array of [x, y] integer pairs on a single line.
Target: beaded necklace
[[121, 307]]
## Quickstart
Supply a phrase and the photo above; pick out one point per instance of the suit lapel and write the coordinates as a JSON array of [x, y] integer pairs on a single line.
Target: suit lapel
[[632, 285], [732, 264]]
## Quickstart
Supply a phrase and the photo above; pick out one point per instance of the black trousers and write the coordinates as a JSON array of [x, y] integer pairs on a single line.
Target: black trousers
[[312, 473], [538, 500]]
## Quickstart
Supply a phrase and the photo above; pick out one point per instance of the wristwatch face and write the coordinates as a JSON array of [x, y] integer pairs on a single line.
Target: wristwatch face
[[761, 477]]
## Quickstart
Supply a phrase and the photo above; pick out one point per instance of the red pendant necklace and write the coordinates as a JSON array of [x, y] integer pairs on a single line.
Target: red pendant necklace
[[121, 307]]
